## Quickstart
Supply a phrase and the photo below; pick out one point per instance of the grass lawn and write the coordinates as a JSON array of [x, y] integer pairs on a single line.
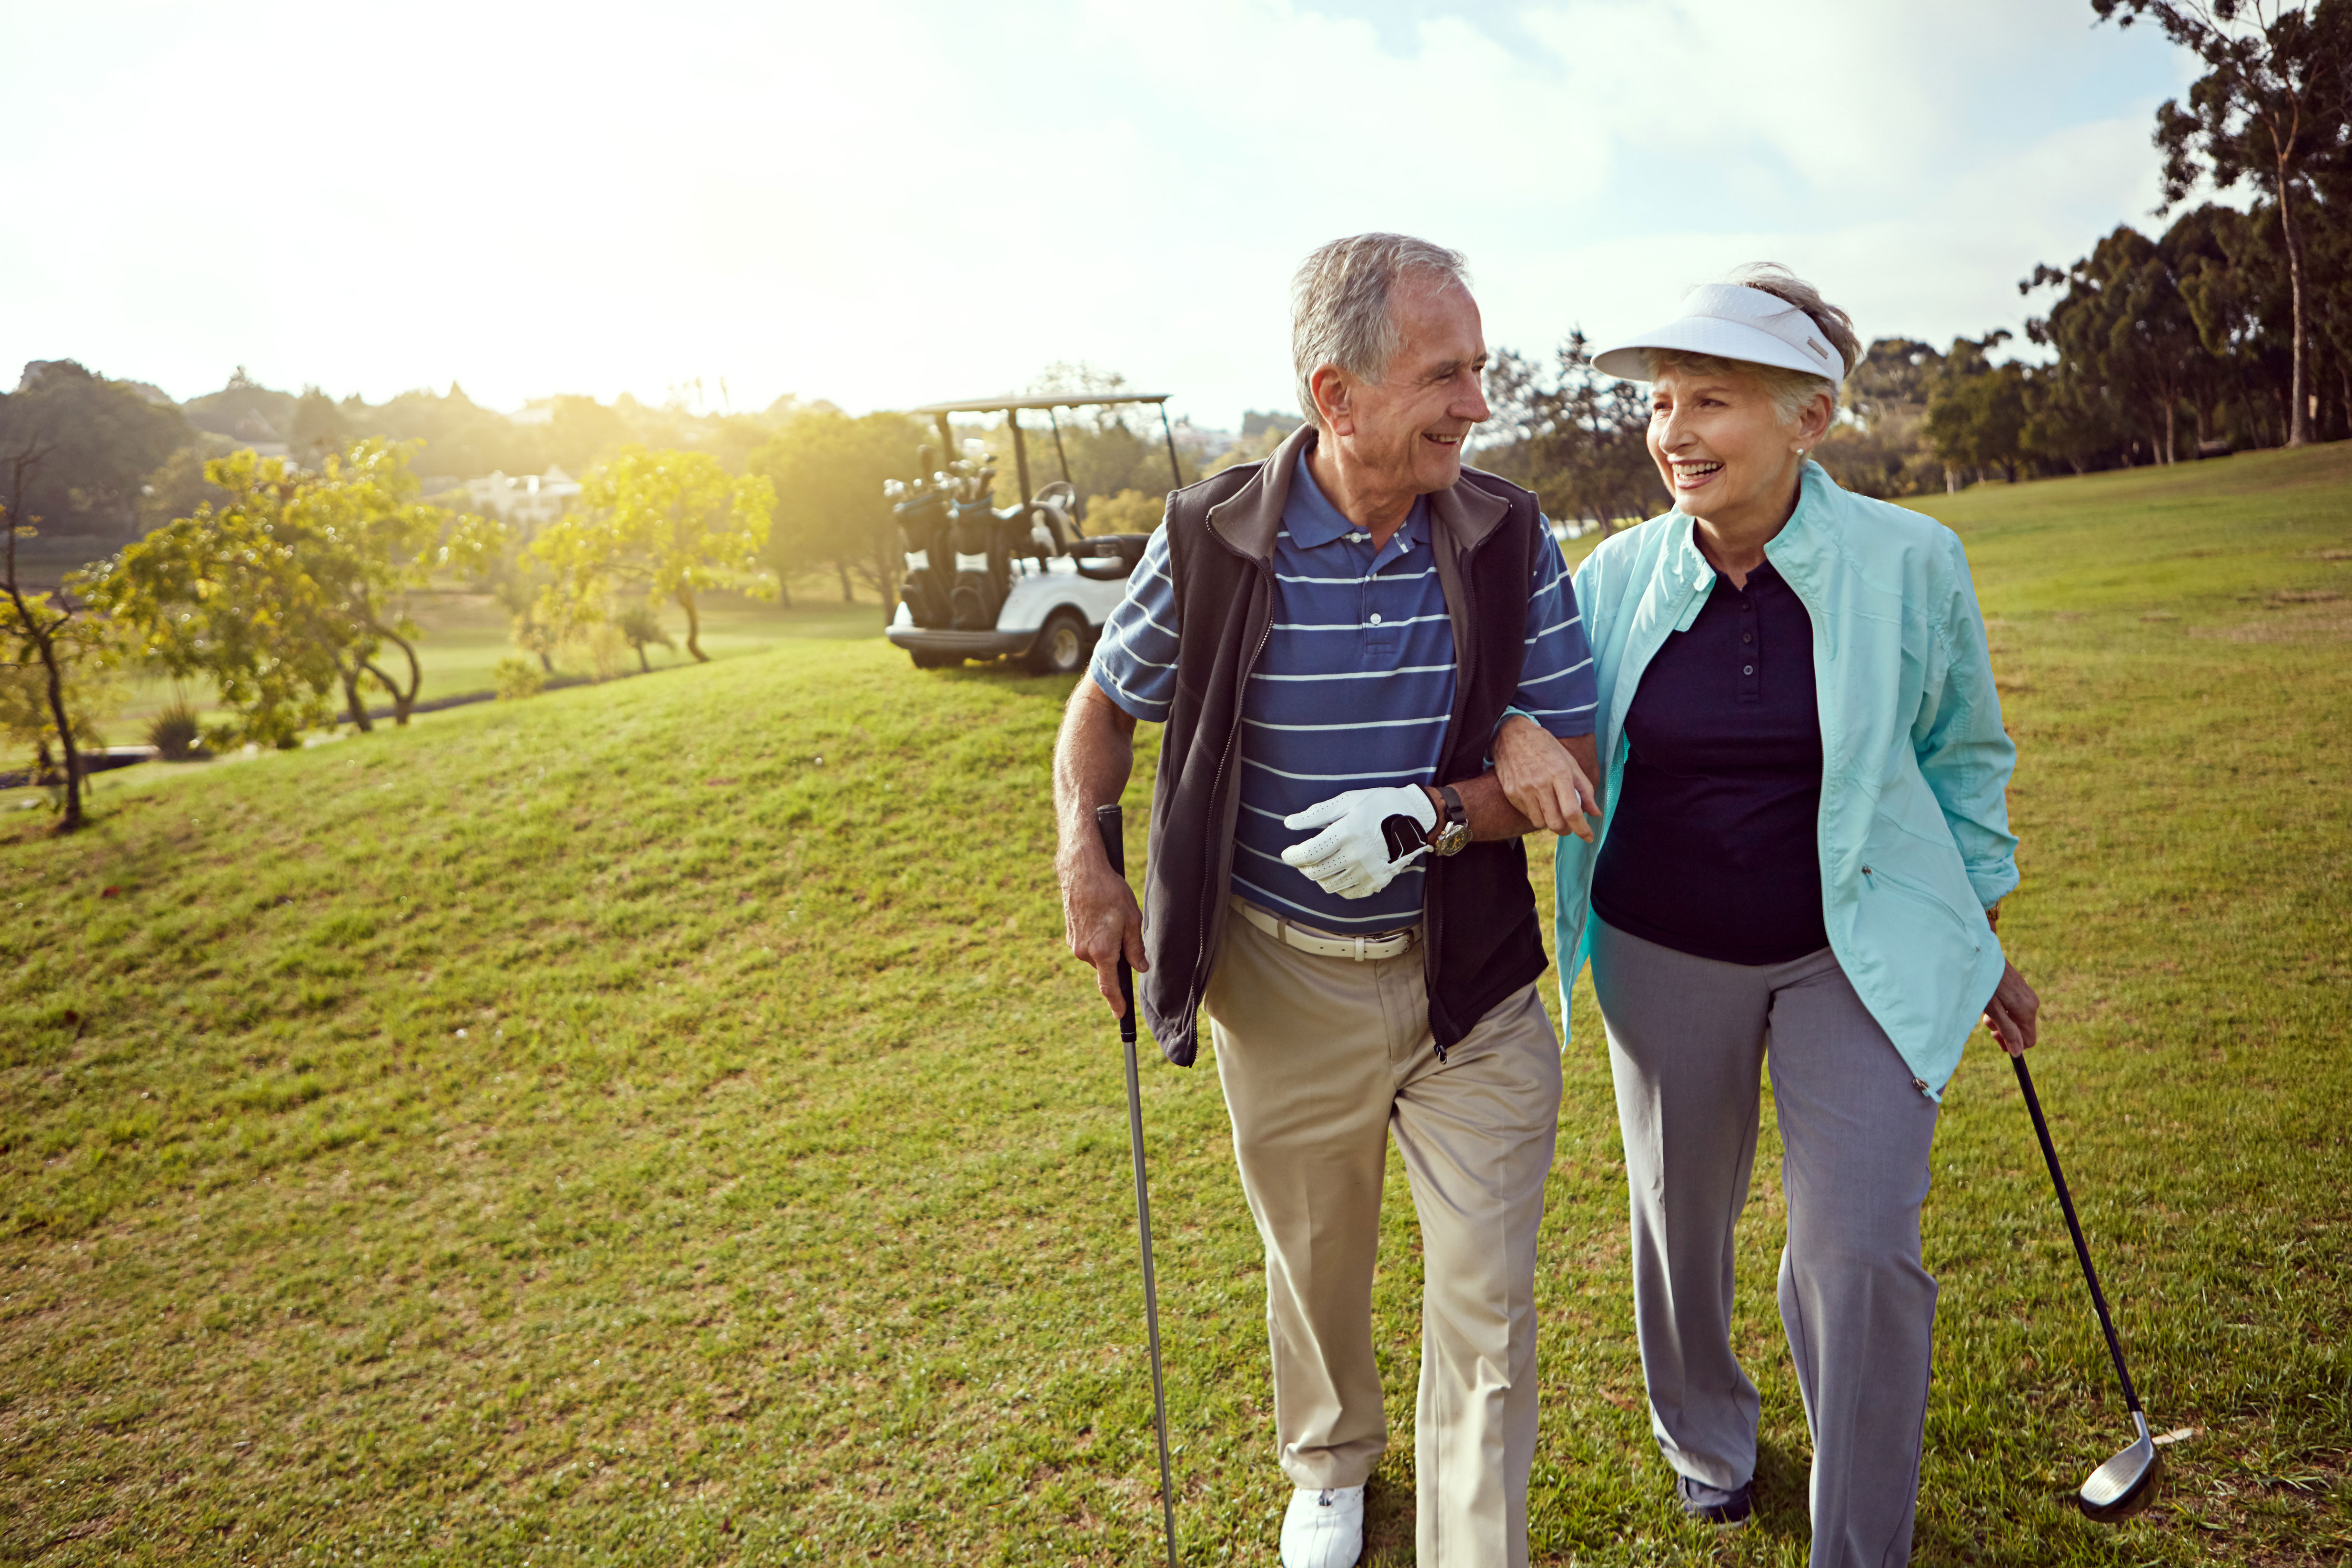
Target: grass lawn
[[656, 1123], [465, 635]]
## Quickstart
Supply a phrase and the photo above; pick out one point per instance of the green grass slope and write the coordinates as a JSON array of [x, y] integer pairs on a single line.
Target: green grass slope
[[462, 636], [656, 1123]]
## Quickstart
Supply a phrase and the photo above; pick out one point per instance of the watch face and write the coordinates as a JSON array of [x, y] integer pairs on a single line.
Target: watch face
[[1452, 838]]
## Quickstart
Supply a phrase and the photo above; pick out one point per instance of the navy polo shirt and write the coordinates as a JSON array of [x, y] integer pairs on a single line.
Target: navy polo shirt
[[1713, 847]]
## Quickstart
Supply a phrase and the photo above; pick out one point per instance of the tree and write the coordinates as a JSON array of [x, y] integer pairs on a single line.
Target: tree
[[827, 471], [366, 539], [1976, 409], [2124, 320], [1591, 456], [176, 488], [286, 591], [243, 410], [657, 525], [1879, 447], [100, 440], [2270, 107], [641, 627], [498, 555], [52, 652], [317, 430]]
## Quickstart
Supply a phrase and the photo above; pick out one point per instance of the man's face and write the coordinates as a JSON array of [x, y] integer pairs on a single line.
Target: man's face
[[1407, 429]]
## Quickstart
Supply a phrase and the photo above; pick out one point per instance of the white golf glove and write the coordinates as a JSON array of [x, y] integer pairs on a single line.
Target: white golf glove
[[1350, 856]]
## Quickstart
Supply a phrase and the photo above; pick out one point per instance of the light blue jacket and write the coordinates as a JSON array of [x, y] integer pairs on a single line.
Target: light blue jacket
[[1913, 828]]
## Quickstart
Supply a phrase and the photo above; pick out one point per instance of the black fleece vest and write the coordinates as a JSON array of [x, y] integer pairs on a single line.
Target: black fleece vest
[[1482, 938]]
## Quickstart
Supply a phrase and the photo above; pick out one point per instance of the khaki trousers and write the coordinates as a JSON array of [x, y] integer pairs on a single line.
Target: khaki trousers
[[1322, 1061]]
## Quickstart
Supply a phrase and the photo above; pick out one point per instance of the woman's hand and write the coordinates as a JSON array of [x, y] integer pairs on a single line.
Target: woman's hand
[[2012, 1012], [1542, 781]]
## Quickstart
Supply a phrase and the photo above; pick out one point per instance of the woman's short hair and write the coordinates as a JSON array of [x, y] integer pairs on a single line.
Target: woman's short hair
[[1340, 301], [1791, 391]]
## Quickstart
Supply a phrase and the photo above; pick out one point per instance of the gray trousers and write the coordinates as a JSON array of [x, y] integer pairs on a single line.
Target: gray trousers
[[1686, 1038]]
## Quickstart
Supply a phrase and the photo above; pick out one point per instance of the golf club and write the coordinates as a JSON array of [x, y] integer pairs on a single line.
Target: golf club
[[2127, 1483], [1111, 825]]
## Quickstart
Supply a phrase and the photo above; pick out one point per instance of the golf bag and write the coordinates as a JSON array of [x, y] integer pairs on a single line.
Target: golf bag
[[923, 530]]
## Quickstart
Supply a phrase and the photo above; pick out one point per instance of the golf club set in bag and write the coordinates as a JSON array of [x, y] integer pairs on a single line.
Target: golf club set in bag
[[2124, 1486]]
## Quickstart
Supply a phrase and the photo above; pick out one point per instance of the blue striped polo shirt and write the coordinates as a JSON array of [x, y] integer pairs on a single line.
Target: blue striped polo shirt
[[1352, 690]]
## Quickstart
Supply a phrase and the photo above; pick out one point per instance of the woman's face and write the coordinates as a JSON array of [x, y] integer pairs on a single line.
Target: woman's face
[[1721, 446]]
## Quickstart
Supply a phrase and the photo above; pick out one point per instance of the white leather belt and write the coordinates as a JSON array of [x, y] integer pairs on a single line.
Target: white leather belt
[[1323, 944]]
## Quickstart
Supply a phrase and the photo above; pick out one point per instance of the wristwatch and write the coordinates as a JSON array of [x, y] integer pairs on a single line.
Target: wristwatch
[[1453, 830]]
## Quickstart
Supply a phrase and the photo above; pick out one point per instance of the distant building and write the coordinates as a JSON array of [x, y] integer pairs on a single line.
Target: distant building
[[532, 499]]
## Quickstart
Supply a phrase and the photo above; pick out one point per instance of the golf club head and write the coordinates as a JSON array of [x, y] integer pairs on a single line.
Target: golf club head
[[2125, 1484]]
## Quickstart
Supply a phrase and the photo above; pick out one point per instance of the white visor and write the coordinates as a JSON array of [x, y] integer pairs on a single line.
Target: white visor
[[1730, 320]]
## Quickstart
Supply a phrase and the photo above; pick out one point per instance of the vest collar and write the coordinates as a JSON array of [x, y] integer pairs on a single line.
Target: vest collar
[[1249, 519]]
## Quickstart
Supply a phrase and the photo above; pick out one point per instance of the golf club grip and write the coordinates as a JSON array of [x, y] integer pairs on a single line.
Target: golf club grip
[[2074, 1228], [1110, 823]]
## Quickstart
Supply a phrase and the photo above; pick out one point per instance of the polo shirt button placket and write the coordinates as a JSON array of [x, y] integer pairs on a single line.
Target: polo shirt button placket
[[1747, 639]]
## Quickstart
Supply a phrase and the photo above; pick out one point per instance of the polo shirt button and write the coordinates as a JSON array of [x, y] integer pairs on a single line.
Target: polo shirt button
[[1376, 620], [1744, 670]]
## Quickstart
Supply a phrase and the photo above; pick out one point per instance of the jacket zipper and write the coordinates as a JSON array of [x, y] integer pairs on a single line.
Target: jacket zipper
[[1463, 659]]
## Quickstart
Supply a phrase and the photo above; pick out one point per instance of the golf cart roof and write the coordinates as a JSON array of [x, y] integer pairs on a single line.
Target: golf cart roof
[[1006, 400]]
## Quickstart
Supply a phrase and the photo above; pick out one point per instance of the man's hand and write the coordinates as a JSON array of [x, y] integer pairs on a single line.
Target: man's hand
[[2011, 1012], [1350, 856], [1092, 758], [1541, 779], [1101, 922]]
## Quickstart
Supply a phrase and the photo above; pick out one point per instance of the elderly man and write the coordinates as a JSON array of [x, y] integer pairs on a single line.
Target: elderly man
[[1333, 638]]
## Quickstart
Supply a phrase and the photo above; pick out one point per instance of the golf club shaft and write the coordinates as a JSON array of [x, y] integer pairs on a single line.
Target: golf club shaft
[[1111, 825], [2074, 1226]]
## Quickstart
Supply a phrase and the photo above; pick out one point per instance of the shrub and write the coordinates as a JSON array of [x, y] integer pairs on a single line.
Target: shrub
[[1130, 511], [174, 734], [519, 677]]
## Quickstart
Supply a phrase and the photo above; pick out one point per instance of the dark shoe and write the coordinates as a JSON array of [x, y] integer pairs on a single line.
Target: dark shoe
[[1710, 1506]]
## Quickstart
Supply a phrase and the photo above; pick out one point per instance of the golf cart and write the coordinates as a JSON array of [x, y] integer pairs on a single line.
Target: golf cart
[[1024, 582]]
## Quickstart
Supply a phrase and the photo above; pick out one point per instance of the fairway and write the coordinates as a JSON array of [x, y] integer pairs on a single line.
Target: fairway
[[658, 1123], [462, 636]]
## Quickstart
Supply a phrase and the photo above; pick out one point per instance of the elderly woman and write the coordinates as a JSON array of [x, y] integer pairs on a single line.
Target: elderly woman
[[1801, 859]]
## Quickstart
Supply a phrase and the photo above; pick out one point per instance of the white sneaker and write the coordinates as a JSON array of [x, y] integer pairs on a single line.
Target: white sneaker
[[1324, 1528]]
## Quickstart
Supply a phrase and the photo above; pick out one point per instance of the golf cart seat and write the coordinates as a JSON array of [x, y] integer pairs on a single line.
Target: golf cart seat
[[1109, 556], [1055, 510]]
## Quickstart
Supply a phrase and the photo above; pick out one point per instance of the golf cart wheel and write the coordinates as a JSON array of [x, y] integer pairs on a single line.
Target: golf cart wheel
[[1061, 645], [925, 660]]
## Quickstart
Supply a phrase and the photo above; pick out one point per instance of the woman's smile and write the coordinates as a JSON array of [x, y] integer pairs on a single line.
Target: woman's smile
[[1691, 473]]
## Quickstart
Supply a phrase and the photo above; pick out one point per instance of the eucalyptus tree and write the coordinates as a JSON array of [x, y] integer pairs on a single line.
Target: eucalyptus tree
[[2270, 108]]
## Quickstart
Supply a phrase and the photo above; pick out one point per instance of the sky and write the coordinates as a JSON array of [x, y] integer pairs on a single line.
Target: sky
[[898, 202]]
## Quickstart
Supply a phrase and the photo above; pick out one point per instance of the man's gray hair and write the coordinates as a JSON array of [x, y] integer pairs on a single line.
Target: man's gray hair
[[1340, 304]]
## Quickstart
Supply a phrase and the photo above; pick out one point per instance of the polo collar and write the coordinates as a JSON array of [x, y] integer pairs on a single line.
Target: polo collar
[[1314, 521], [1249, 519]]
